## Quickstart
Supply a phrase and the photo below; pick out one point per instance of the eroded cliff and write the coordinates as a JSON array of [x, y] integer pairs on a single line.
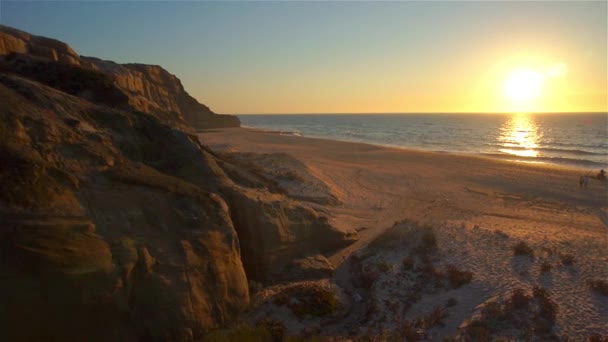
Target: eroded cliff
[[115, 222], [148, 88], [94, 238]]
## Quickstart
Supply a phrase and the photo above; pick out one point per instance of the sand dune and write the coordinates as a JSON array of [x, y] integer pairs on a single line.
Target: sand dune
[[479, 209]]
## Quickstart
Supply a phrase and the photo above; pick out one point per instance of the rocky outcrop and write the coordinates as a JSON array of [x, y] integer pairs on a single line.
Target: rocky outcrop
[[310, 267], [116, 223], [274, 231], [148, 88], [95, 243], [15, 41], [287, 173], [152, 89]]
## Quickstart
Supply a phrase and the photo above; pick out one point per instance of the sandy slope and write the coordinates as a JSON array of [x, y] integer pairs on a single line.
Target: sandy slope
[[540, 204]]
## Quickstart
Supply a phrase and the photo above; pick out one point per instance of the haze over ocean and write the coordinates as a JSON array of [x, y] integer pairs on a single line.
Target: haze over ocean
[[573, 139]]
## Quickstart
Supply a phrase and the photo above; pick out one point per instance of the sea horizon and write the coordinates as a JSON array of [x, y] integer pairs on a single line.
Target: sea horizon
[[564, 139], [430, 113]]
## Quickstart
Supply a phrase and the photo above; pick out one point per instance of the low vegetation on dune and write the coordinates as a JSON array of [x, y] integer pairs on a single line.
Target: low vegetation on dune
[[411, 284], [394, 287], [567, 259], [245, 333], [265, 330], [416, 330], [458, 277], [599, 285], [530, 315], [598, 338], [522, 248], [545, 267], [309, 301]]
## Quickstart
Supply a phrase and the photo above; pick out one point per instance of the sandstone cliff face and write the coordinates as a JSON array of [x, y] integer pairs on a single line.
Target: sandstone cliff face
[[96, 244], [152, 89], [115, 222], [274, 231], [12, 40], [149, 88]]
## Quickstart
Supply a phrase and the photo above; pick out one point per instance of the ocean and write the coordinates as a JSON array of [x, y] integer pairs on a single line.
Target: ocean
[[578, 140]]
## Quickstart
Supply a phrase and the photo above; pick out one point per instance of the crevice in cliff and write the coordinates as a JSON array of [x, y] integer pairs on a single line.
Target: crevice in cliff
[[250, 258]]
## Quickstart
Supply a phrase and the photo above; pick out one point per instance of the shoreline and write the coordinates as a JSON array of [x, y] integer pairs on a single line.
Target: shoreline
[[570, 140], [378, 185], [484, 155], [396, 173]]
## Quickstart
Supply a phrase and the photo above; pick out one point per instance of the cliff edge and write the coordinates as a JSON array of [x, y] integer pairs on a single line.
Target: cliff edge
[[116, 224], [148, 88]]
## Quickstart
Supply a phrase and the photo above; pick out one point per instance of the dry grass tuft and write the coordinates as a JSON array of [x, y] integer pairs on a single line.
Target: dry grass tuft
[[545, 267], [416, 330], [519, 298], [385, 267], [452, 302], [501, 234], [567, 259], [241, 332], [274, 328], [598, 338], [408, 263], [522, 248], [533, 315], [255, 287], [599, 285], [548, 308], [308, 300], [433, 318], [457, 277], [428, 238]]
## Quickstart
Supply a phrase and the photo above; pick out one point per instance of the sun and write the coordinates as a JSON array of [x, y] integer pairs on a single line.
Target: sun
[[523, 85]]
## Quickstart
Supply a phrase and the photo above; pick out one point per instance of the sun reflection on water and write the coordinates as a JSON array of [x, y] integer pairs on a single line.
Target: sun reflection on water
[[520, 136]]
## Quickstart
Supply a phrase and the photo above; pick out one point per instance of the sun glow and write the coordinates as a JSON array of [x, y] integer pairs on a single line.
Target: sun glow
[[523, 85]]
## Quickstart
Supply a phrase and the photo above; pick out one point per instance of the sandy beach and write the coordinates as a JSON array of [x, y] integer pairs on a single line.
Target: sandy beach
[[478, 208], [416, 171]]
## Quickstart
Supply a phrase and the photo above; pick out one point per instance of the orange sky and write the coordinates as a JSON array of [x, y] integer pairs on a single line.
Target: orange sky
[[349, 57]]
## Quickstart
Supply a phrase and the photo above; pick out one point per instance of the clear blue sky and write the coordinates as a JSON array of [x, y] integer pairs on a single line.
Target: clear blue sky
[[281, 57]]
